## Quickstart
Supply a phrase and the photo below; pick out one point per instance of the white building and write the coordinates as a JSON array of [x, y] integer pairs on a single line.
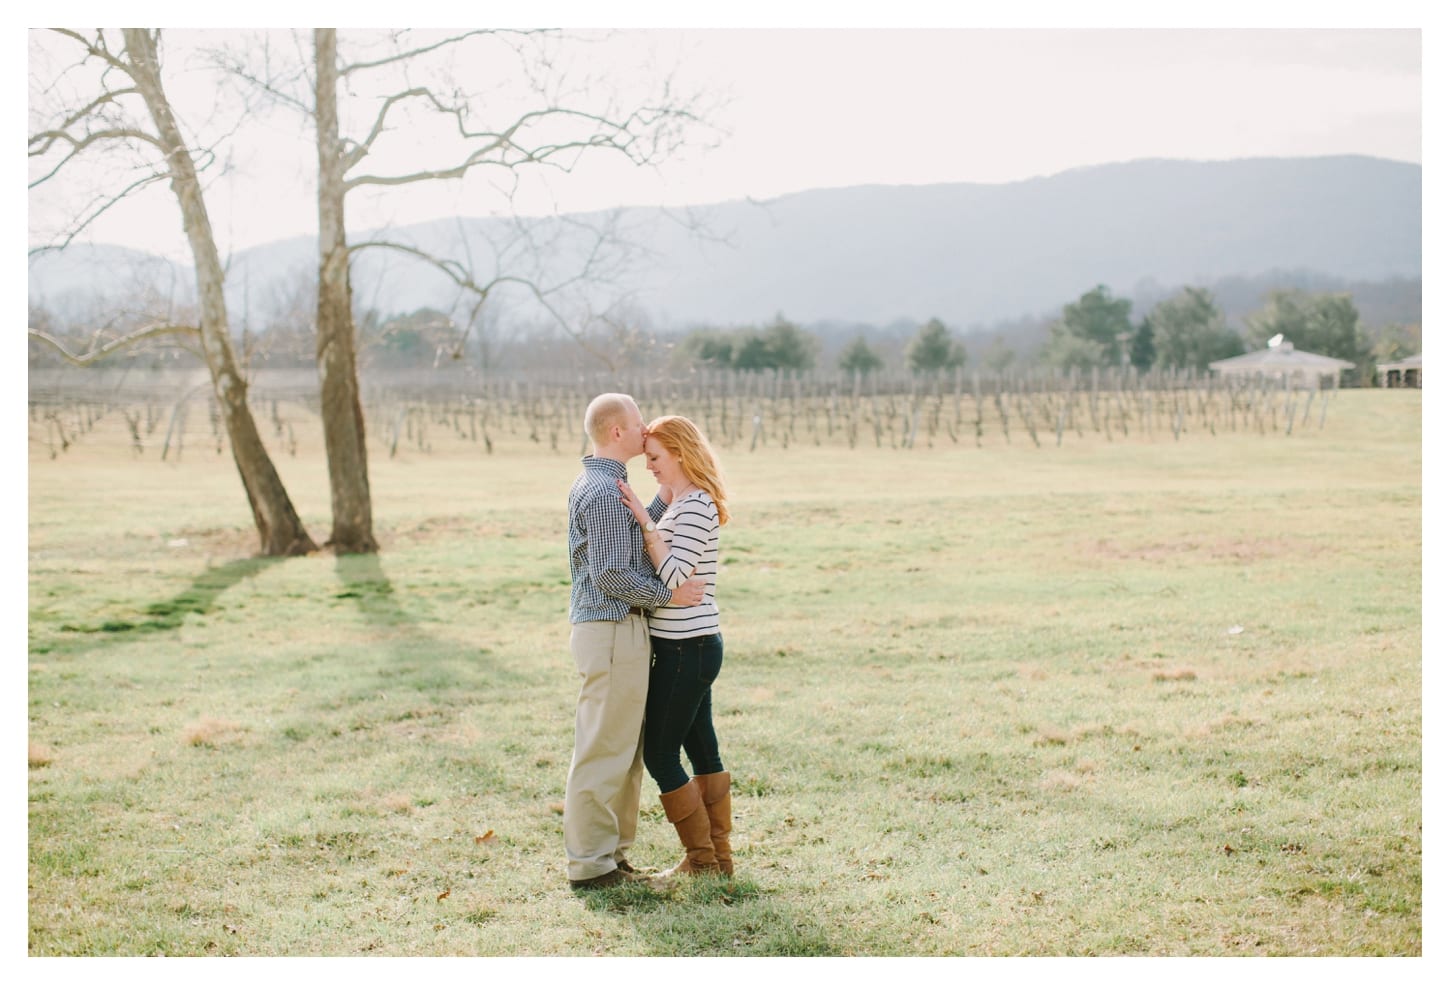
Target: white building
[[1281, 361], [1405, 372]]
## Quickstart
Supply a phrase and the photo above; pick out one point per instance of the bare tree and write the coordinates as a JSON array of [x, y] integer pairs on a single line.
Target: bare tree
[[398, 86], [129, 111], [342, 417]]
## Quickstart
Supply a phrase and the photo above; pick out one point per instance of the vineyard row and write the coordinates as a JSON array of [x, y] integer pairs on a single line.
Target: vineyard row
[[737, 411]]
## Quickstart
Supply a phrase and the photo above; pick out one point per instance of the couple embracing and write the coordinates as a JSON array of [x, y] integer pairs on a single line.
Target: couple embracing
[[645, 637]]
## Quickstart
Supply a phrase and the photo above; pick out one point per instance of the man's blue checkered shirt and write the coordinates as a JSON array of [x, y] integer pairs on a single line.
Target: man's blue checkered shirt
[[607, 562]]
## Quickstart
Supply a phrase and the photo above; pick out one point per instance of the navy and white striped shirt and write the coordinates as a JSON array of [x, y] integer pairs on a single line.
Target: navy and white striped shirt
[[691, 529], [607, 562]]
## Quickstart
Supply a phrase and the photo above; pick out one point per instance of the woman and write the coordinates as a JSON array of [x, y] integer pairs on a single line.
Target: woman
[[686, 643]]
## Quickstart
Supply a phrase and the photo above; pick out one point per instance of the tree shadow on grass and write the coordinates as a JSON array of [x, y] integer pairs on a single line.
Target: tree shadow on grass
[[421, 658], [362, 577], [713, 917], [362, 580], [365, 582], [198, 598]]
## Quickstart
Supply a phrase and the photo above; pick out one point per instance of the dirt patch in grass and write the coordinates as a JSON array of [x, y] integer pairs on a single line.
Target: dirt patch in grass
[[211, 732], [396, 803], [1052, 736], [1063, 781]]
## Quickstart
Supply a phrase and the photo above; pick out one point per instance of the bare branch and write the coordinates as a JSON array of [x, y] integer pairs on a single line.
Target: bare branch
[[359, 151], [125, 341], [50, 137], [558, 317], [617, 135], [270, 84], [95, 48], [94, 211], [455, 271], [110, 96], [459, 274], [345, 70]]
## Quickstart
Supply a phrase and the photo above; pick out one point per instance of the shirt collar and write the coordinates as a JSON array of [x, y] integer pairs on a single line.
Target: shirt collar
[[606, 465]]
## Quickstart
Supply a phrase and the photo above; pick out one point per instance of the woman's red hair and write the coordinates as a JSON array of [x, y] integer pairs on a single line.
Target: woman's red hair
[[682, 439]]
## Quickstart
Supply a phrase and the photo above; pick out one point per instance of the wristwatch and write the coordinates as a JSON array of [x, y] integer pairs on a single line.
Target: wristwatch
[[649, 527]]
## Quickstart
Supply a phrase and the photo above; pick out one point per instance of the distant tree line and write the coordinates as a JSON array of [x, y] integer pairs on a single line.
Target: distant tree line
[[1189, 331], [1186, 330]]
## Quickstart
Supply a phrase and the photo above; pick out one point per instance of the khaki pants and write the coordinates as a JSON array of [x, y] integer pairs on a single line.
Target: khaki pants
[[601, 795]]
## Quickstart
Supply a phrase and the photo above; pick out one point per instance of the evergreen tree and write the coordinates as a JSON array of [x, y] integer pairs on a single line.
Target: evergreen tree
[[1090, 331], [860, 357], [933, 349]]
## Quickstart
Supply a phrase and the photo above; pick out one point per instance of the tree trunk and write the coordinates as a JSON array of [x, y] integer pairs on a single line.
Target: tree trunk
[[278, 525], [342, 416]]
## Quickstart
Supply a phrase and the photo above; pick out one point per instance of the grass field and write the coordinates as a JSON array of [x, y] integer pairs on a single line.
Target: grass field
[[1138, 697]]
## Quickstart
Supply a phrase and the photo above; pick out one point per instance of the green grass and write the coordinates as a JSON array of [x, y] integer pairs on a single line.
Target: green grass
[[1138, 697]]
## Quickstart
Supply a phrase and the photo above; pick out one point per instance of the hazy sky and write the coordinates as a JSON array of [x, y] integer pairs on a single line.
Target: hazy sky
[[810, 108]]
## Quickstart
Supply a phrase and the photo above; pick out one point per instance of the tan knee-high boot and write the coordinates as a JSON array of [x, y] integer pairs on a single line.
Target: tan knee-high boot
[[685, 810], [715, 794]]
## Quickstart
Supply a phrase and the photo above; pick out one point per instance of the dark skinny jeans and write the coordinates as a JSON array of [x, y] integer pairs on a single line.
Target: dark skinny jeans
[[677, 709]]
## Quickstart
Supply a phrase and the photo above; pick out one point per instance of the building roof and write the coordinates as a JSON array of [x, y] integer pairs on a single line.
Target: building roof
[[1409, 362], [1278, 360]]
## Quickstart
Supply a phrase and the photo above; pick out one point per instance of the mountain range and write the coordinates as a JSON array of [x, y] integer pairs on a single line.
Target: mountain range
[[970, 254]]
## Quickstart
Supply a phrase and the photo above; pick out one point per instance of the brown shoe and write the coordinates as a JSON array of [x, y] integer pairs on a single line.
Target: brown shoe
[[631, 873], [613, 877]]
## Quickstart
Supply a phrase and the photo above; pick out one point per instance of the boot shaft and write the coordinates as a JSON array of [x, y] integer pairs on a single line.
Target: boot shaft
[[686, 811], [714, 789]]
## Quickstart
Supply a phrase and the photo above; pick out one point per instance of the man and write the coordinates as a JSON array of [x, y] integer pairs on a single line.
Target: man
[[614, 589]]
